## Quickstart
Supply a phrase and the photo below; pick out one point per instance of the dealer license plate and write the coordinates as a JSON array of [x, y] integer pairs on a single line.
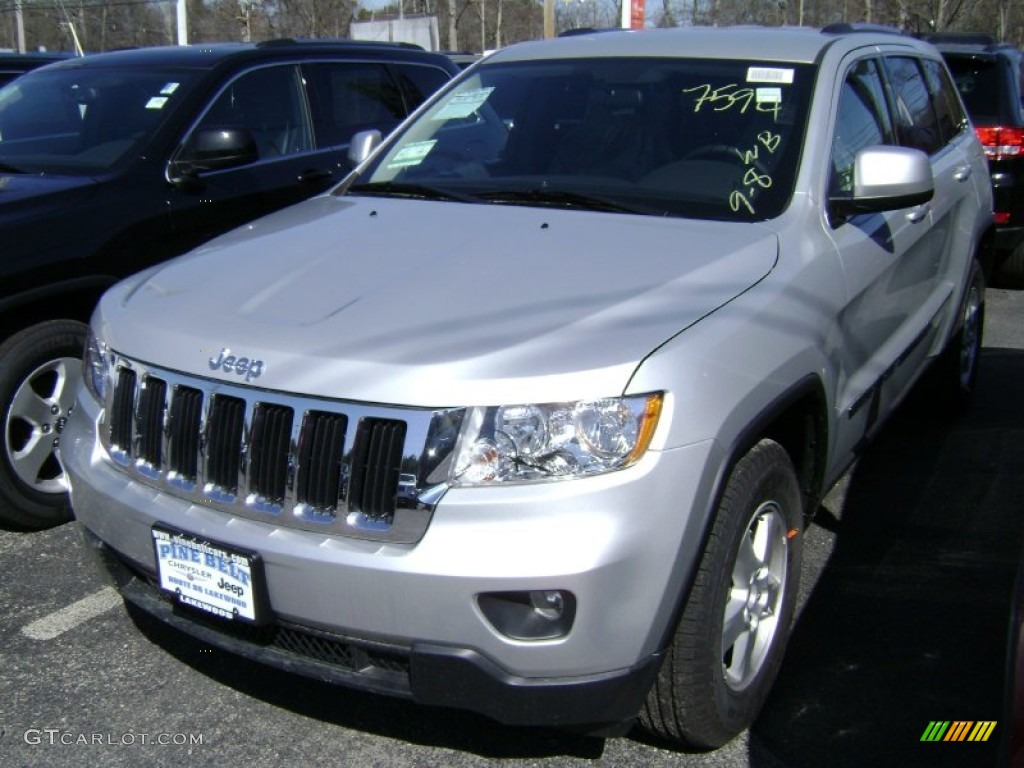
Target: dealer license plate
[[209, 576]]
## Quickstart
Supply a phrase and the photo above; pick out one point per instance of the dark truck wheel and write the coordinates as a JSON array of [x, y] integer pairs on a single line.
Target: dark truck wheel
[[40, 368], [730, 640]]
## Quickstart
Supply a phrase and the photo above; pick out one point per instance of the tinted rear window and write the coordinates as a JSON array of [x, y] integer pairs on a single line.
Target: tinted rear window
[[980, 84]]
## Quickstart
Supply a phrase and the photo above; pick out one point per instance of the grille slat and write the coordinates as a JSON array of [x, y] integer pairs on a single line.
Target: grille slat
[[224, 442], [186, 415], [376, 465], [268, 453], [152, 405], [122, 412], [321, 450]]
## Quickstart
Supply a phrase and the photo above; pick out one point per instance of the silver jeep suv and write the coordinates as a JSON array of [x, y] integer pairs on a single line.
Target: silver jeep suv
[[625, 305]]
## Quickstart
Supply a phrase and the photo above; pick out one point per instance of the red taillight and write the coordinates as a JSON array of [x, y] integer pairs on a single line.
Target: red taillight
[[1001, 142]]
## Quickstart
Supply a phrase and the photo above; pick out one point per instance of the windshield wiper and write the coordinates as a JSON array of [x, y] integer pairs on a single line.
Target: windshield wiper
[[554, 197], [5, 168], [406, 189]]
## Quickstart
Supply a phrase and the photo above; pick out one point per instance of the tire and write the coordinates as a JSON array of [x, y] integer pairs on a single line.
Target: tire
[[729, 643], [40, 368], [955, 374]]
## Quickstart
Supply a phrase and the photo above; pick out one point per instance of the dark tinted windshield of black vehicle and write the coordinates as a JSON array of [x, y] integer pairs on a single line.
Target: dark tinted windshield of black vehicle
[[717, 139], [80, 121]]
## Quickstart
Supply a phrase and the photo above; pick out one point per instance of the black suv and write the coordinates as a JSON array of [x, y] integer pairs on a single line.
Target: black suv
[[990, 78], [14, 65], [112, 162]]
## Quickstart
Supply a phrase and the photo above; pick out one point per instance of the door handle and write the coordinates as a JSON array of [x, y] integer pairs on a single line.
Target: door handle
[[963, 173], [919, 213], [313, 175]]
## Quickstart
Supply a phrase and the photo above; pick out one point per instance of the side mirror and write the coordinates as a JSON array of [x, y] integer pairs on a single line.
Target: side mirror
[[215, 149], [362, 144], [886, 179]]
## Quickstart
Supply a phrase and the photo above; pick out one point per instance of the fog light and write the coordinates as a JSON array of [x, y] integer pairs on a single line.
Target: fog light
[[539, 615], [548, 605]]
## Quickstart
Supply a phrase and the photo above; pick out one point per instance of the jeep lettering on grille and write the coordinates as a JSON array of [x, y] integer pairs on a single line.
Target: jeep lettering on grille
[[241, 366]]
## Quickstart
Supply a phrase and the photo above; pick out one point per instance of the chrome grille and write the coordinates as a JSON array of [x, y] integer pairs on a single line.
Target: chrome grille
[[297, 461]]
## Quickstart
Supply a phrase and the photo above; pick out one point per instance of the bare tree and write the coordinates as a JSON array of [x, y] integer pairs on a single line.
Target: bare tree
[[104, 24]]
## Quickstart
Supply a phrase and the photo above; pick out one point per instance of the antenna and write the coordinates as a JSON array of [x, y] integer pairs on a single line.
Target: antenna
[[68, 24]]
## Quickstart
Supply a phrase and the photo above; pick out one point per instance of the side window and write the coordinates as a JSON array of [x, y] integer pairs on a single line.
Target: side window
[[266, 102], [419, 82], [948, 110], [348, 98], [862, 121], [916, 122]]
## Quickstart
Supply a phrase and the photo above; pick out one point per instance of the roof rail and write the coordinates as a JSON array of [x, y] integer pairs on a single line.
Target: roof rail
[[335, 41], [587, 31], [961, 38], [844, 28]]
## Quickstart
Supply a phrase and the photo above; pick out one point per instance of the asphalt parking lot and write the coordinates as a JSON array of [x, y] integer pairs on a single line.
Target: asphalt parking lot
[[906, 592]]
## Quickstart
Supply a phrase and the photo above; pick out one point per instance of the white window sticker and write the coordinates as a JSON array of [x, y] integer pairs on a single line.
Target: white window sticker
[[768, 95], [412, 154], [770, 75], [463, 105], [168, 89], [156, 102]]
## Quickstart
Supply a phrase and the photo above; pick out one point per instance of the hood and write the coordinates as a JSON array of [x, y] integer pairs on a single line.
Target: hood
[[433, 303]]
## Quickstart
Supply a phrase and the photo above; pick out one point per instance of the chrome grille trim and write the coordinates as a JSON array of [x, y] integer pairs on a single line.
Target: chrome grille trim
[[302, 462]]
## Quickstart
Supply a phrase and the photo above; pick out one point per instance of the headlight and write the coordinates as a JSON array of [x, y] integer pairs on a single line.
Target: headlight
[[94, 367], [528, 443]]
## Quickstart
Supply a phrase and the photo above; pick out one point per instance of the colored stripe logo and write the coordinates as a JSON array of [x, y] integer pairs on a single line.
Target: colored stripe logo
[[958, 730]]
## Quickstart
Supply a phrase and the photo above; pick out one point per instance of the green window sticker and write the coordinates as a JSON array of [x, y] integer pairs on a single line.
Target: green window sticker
[[463, 105], [412, 154]]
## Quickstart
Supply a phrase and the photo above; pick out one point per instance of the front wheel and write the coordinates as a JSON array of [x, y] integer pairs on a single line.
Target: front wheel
[[40, 368], [730, 640]]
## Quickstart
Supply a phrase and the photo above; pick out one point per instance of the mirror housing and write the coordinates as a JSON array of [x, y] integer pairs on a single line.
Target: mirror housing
[[362, 145], [886, 179], [215, 149]]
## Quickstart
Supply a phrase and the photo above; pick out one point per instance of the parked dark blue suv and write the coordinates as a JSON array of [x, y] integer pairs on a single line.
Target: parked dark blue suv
[[112, 162]]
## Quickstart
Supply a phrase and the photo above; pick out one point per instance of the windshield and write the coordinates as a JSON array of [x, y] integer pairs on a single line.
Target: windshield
[[81, 120], [701, 138]]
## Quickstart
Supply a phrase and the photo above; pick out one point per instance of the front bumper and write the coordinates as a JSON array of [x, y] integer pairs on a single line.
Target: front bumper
[[1008, 196], [427, 674], [405, 619], [1008, 239]]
